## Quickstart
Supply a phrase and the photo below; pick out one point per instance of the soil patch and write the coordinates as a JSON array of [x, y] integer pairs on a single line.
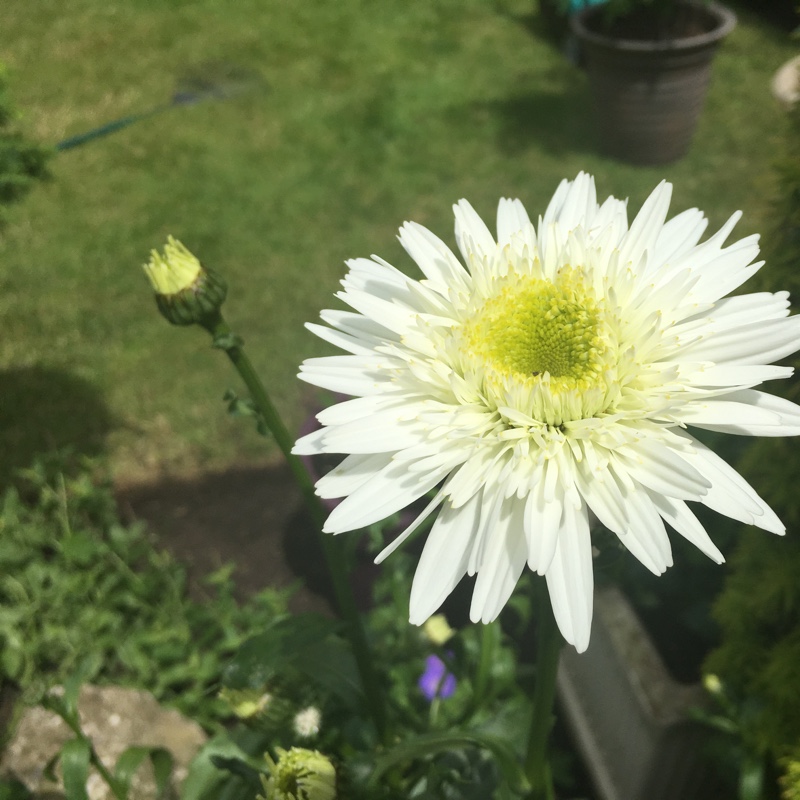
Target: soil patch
[[245, 515]]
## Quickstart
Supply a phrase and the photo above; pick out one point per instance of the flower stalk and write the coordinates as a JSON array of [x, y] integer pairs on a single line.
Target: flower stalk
[[537, 766], [224, 339], [489, 639]]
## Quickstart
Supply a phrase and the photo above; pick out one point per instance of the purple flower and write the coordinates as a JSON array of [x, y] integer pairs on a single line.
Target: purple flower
[[436, 681]]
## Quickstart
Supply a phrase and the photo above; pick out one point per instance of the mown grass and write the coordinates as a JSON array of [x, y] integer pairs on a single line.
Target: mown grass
[[361, 115]]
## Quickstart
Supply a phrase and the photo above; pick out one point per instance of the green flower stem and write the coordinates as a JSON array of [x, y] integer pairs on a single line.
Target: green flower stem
[[489, 635], [332, 547], [537, 767]]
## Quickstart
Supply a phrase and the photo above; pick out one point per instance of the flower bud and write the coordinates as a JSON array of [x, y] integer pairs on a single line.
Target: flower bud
[[306, 722], [186, 292], [299, 774], [712, 684], [436, 630], [247, 703]]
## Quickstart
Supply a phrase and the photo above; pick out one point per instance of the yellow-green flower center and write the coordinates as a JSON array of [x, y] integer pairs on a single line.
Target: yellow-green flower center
[[545, 341]]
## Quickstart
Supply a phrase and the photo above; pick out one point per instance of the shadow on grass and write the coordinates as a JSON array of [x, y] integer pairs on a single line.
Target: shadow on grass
[[557, 122], [44, 409]]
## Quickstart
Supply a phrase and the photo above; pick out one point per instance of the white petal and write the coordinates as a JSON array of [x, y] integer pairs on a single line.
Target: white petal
[[579, 205], [356, 375], [646, 537], [391, 315], [747, 412], [610, 222], [542, 519], [679, 235], [388, 491], [310, 444], [339, 339], [554, 207], [677, 514], [357, 408], [382, 432], [570, 580], [377, 277], [646, 227], [403, 535], [604, 497], [730, 494], [433, 257], [503, 562], [512, 218], [444, 558], [658, 467], [738, 374], [359, 326], [755, 343], [472, 235], [755, 307], [351, 474]]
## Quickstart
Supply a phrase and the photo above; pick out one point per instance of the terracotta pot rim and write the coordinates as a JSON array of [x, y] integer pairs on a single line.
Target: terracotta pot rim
[[726, 22]]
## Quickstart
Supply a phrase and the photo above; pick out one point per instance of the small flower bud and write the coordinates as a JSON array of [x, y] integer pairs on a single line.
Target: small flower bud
[[306, 722], [299, 774], [713, 684], [246, 703], [186, 292], [436, 630]]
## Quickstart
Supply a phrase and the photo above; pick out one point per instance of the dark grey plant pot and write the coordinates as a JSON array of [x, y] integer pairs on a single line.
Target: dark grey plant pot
[[648, 94], [630, 719]]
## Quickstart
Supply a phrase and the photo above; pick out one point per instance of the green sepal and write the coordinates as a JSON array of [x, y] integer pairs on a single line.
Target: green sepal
[[198, 303]]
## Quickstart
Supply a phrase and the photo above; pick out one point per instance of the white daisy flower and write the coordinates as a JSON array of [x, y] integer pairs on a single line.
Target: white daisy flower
[[552, 378]]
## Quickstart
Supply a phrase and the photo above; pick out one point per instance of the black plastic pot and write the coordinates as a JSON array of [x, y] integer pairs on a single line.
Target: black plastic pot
[[648, 93]]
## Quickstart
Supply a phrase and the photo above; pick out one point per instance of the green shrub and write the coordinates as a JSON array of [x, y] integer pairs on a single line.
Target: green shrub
[[77, 585], [759, 609]]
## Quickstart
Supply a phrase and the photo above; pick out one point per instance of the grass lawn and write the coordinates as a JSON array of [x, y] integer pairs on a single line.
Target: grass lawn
[[360, 115]]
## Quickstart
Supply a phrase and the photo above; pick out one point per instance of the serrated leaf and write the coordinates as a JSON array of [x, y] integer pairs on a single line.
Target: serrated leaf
[[75, 759]]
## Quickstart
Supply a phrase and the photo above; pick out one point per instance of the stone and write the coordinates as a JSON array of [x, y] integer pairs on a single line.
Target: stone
[[786, 82], [114, 718]]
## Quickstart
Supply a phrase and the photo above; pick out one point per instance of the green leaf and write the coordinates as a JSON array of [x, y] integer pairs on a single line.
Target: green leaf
[[204, 775], [227, 341], [75, 758], [130, 761], [751, 779], [86, 668], [236, 767], [429, 743], [11, 789], [331, 665], [266, 654], [81, 548]]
